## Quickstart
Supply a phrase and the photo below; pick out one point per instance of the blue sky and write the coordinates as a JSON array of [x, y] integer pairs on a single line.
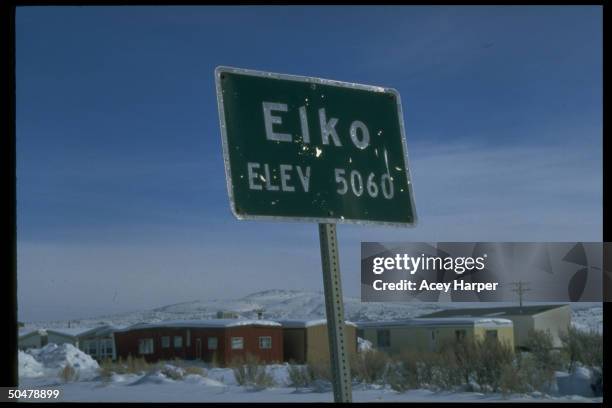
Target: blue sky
[[122, 202]]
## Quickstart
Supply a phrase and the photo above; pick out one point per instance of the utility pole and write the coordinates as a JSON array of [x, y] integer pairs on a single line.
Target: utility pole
[[520, 288]]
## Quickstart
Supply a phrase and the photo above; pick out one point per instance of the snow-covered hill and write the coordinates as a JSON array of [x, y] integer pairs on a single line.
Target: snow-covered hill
[[280, 303], [276, 304]]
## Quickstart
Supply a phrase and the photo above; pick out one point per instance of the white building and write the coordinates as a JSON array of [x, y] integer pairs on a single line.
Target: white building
[[37, 338], [99, 342]]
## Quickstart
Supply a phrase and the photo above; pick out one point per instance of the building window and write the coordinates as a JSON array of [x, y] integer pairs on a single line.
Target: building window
[[491, 334], [237, 343], [265, 342], [383, 338], [165, 341], [188, 341], [459, 335], [178, 341], [107, 346], [212, 343], [91, 348], [145, 346]]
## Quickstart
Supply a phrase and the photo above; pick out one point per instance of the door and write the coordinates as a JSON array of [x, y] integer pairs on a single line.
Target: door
[[198, 350]]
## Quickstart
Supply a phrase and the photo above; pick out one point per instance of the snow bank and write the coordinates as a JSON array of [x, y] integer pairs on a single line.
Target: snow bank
[[223, 375], [156, 378], [29, 367], [204, 381], [124, 378], [173, 372], [576, 383], [279, 373], [53, 358]]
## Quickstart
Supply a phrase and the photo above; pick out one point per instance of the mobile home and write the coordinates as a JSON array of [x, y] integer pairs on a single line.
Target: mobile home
[[420, 334], [554, 319], [306, 341], [37, 338], [218, 341]]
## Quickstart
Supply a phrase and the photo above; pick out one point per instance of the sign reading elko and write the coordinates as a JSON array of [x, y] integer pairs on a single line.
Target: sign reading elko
[[310, 149]]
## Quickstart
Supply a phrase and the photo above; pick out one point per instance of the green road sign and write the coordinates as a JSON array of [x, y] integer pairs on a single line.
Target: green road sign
[[310, 149]]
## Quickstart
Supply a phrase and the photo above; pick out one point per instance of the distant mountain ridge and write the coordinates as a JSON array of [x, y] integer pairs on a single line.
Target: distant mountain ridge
[[294, 304]]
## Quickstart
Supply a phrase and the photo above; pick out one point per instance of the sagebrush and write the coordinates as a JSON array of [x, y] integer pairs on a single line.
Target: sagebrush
[[249, 371]]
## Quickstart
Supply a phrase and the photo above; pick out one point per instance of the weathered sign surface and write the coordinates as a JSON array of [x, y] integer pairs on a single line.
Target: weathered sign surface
[[310, 149]]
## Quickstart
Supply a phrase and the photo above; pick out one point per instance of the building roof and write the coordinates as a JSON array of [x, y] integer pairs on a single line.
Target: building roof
[[301, 323], [102, 330], [69, 331], [437, 322], [499, 311], [23, 332], [212, 323]]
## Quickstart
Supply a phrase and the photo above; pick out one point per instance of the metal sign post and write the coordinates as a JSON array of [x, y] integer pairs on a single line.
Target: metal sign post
[[334, 309], [315, 150]]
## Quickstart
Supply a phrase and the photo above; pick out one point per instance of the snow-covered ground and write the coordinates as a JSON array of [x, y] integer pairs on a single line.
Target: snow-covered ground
[[40, 369], [587, 316], [201, 389]]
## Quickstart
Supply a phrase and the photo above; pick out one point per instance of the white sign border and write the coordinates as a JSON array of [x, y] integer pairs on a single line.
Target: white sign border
[[228, 174]]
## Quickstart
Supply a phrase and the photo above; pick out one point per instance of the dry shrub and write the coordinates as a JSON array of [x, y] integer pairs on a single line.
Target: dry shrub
[[525, 375], [464, 357], [491, 357], [107, 367], [454, 364], [535, 376], [130, 365], [403, 372], [585, 347], [540, 345], [320, 369], [428, 365], [299, 376], [511, 381], [249, 371], [410, 370], [215, 360], [369, 366], [68, 373], [136, 365]]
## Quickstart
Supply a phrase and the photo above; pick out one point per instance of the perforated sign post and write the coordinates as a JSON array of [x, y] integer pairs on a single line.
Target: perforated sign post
[[315, 150]]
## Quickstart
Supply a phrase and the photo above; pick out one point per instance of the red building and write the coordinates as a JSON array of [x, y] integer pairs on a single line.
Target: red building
[[218, 340]]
